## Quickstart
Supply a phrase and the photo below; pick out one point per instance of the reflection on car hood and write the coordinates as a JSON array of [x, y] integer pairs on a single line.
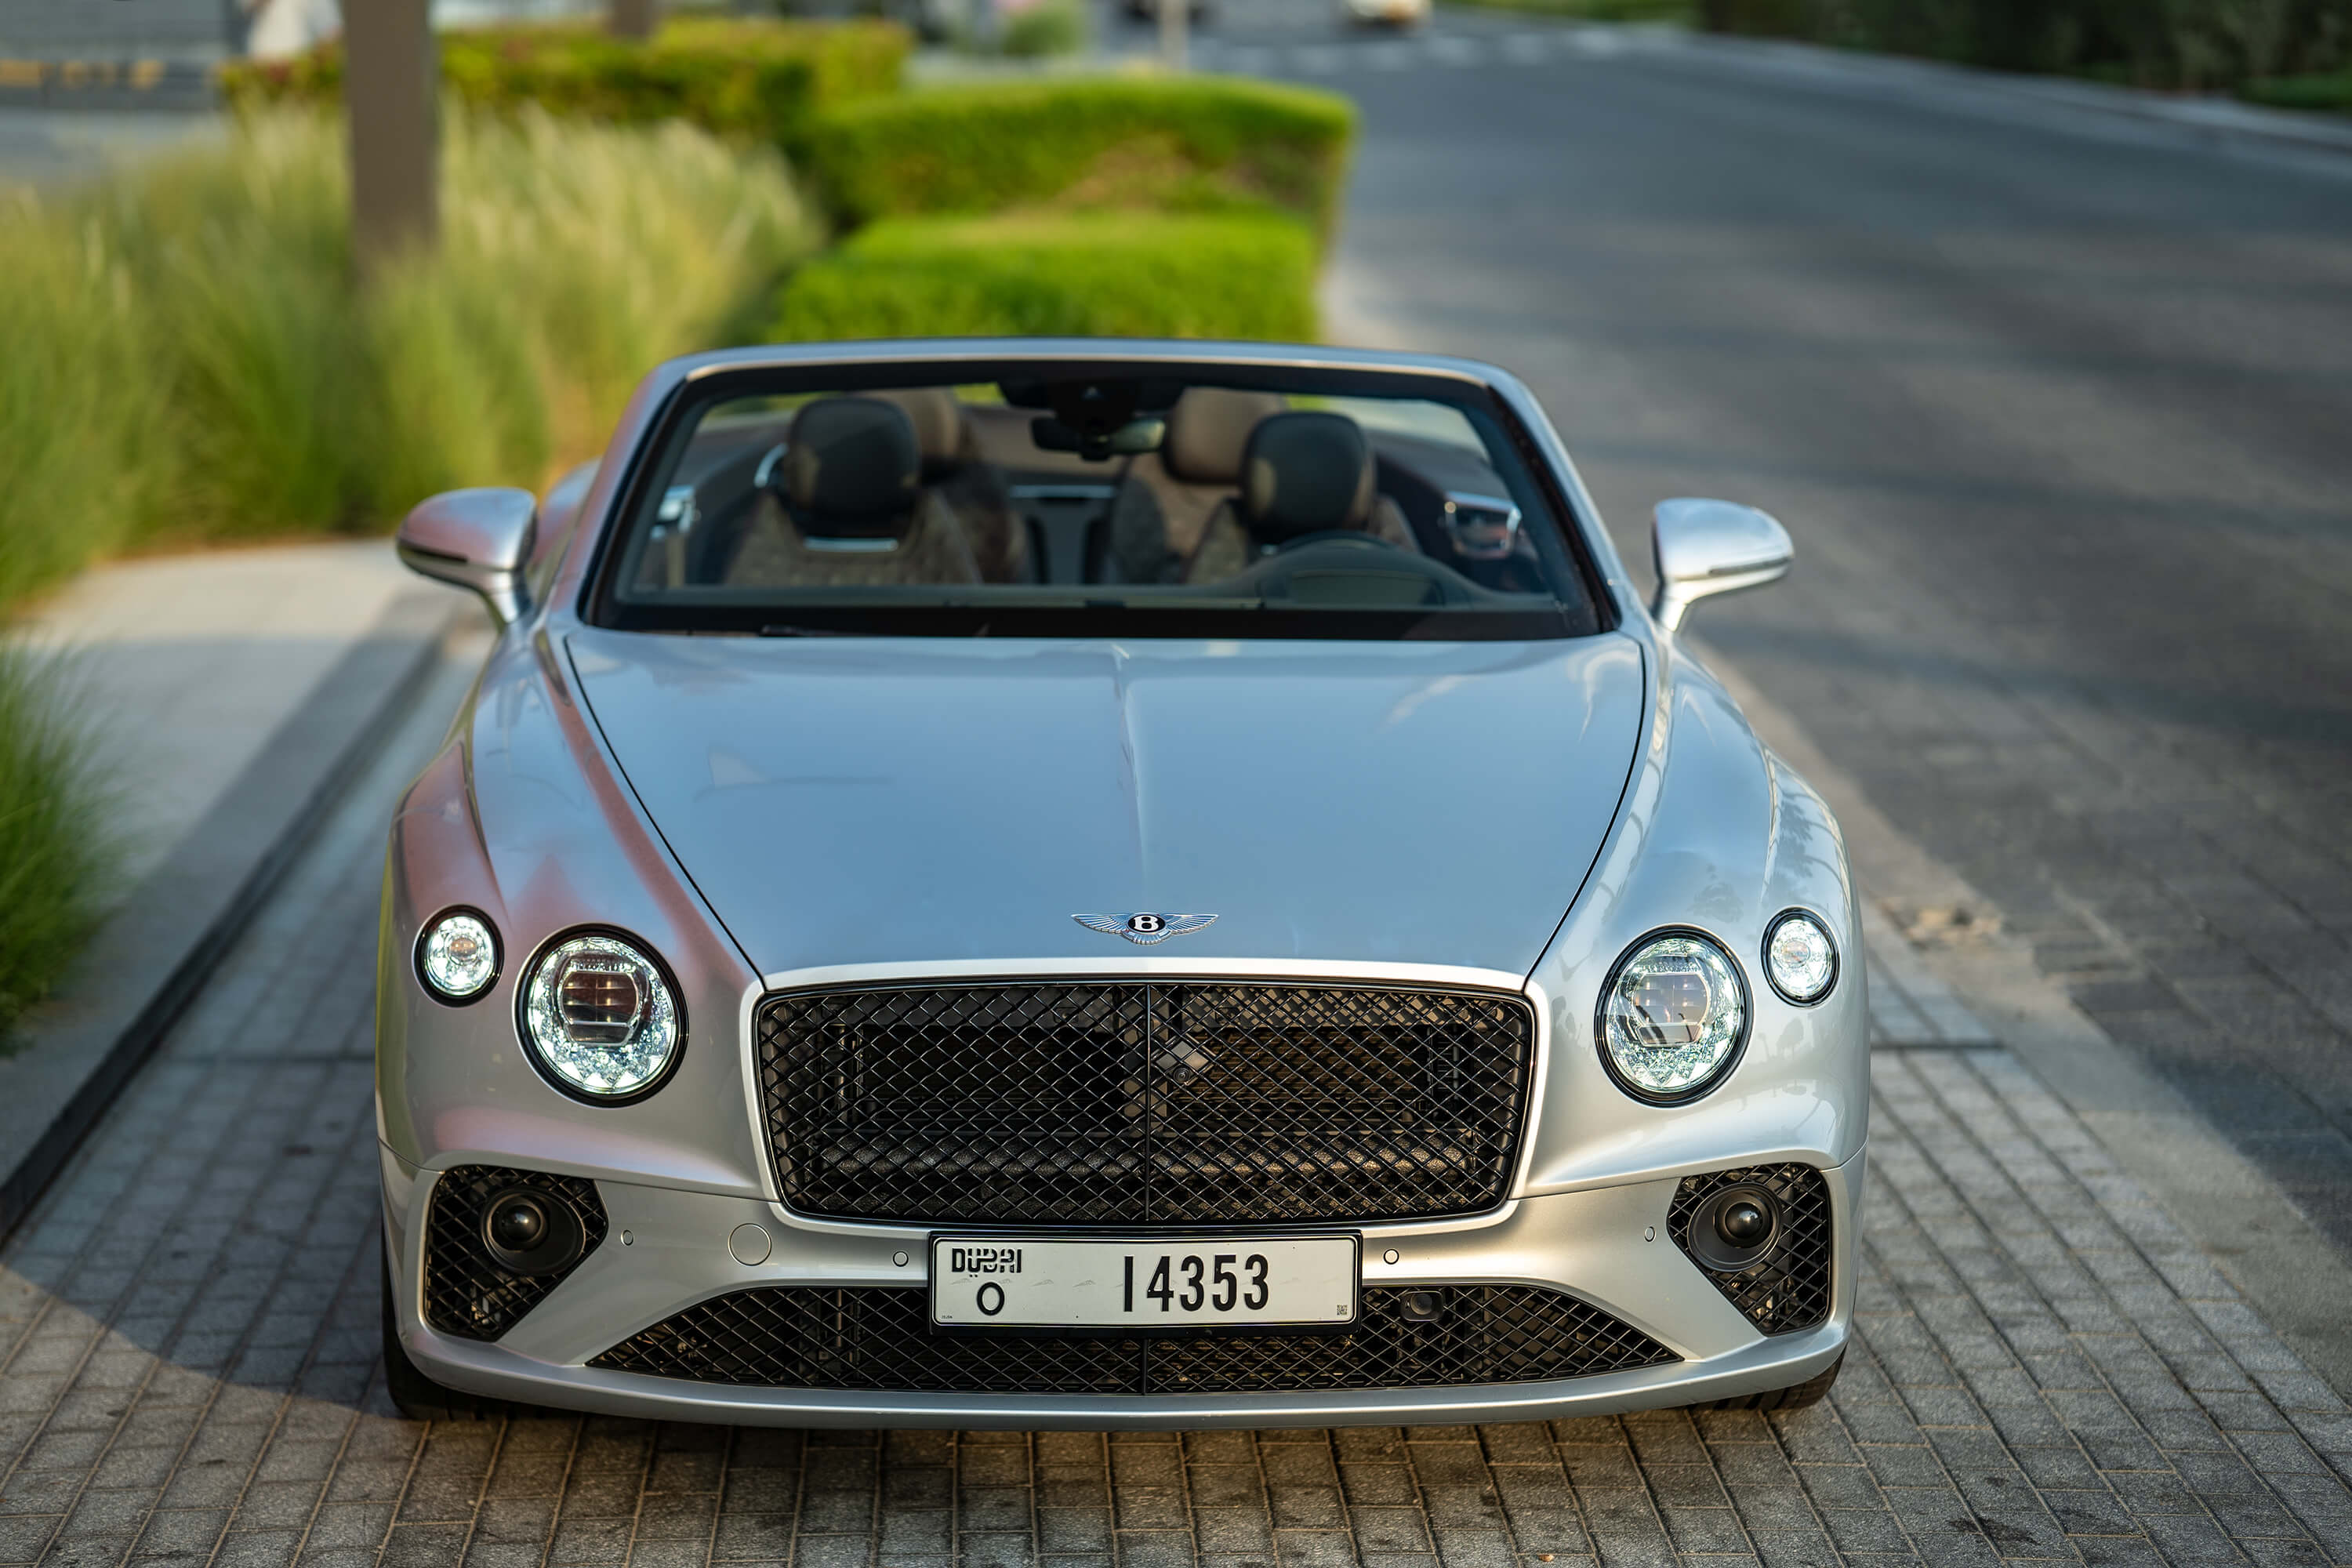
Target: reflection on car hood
[[870, 801]]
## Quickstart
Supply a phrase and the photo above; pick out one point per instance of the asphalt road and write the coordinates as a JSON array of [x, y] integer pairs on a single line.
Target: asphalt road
[[2059, 410]]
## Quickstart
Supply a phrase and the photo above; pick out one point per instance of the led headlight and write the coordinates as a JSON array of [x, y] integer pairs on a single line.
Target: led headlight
[[458, 955], [1673, 1016], [601, 1018], [1800, 959]]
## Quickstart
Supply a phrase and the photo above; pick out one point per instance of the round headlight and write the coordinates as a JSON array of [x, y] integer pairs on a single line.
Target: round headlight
[[1673, 1016], [599, 1017], [458, 955], [1800, 959]]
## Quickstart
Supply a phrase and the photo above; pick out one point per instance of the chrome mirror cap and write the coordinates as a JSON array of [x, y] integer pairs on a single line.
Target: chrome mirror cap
[[477, 539], [1709, 547]]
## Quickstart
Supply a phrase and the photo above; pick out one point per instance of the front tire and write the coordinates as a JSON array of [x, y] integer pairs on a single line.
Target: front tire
[[1796, 1396], [417, 1396]]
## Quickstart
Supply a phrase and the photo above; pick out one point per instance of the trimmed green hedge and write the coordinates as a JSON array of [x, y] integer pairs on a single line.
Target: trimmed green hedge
[[1111, 274], [761, 79], [1183, 143]]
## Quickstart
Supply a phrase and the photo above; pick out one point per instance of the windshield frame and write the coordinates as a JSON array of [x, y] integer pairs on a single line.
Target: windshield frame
[[1069, 613]]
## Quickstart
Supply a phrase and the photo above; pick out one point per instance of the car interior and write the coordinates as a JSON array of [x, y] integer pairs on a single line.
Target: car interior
[[1353, 501]]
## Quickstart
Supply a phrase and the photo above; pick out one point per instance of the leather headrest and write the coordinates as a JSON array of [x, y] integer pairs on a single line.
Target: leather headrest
[[937, 419], [1304, 473], [1207, 430], [851, 461]]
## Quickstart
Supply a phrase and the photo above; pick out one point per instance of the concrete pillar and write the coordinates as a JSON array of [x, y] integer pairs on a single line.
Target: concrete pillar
[[391, 81]]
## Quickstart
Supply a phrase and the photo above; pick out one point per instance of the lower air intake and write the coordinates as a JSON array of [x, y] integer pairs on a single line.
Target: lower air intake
[[467, 1292], [880, 1338], [1787, 1287]]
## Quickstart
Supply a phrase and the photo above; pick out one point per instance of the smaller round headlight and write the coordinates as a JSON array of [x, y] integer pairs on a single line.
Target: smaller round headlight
[[1799, 958], [458, 955], [1673, 1016], [601, 1018]]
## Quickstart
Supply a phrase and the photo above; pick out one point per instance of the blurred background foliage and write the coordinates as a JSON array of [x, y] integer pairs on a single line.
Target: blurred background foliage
[[755, 80], [1183, 143], [1087, 273], [191, 357], [57, 849], [2275, 50]]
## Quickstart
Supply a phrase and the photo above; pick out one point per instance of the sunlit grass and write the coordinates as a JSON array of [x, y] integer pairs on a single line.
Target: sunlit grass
[[191, 357], [56, 852]]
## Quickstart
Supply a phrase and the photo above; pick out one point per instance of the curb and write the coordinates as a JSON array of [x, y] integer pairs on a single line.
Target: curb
[[170, 930]]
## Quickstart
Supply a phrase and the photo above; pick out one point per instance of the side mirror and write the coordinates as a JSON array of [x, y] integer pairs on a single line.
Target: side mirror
[[478, 539], [1709, 547]]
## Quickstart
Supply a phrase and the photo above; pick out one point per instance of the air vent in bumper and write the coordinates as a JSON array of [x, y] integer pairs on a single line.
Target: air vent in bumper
[[1786, 1287], [467, 1292], [880, 1338]]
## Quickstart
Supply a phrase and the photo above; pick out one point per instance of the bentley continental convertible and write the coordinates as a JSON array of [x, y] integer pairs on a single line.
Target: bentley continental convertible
[[1081, 884]]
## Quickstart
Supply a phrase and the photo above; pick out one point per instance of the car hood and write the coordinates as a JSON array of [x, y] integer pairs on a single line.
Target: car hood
[[842, 801]]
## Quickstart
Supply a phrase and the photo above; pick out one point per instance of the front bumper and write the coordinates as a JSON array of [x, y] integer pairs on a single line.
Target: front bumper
[[666, 1250]]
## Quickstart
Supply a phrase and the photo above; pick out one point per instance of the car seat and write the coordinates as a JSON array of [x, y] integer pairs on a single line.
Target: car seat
[[1166, 498], [966, 483], [1302, 474], [845, 505]]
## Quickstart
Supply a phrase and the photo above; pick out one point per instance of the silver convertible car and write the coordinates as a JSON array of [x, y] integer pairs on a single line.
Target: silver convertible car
[[1101, 884]]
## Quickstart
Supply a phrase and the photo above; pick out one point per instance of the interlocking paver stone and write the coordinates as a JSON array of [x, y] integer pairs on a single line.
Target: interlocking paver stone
[[2045, 1369]]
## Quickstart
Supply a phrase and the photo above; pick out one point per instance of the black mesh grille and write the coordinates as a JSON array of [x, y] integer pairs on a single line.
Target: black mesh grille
[[1788, 1288], [879, 1337], [1129, 1103], [466, 1292]]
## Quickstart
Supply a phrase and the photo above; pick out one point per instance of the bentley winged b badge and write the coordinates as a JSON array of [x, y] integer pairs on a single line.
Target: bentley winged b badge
[[1144, 928]]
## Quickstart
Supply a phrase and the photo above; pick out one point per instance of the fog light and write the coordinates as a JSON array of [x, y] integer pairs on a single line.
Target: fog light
[[1735, 1228], [527, 1231], [1743, 1223], [517, 1224]]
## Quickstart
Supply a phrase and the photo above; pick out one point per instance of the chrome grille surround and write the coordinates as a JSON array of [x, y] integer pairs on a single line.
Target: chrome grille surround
[[1144, 1101]]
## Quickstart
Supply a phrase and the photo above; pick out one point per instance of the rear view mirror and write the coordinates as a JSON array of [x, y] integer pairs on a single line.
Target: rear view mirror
[[1709, 547], [477, 539]]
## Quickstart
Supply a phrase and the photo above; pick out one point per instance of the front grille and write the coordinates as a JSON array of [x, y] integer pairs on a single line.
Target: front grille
[[880, 1338], [1788, 1288], [466, 1291], [1191, 1103]]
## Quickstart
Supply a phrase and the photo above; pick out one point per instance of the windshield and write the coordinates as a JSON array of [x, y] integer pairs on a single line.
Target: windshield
[[1210, 501]]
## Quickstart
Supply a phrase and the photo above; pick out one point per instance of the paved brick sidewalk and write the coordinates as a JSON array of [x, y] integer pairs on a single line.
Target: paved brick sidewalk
[[2047, 1369]]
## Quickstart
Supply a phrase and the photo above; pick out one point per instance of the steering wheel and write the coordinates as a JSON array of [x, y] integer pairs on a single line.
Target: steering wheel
[[1336, 536]]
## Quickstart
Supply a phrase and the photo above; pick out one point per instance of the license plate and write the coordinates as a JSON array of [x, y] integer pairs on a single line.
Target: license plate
[[1176, 1282]]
